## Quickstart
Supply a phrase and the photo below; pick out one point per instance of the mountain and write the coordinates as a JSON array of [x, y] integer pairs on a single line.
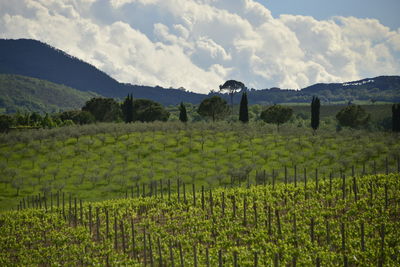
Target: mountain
[[36, 59], [21, 93]]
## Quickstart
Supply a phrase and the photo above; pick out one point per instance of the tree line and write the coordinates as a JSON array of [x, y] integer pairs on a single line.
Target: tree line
[[212, 108]]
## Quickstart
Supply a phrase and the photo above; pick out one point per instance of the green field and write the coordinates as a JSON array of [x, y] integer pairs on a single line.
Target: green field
[[103, 161], [352, 221]]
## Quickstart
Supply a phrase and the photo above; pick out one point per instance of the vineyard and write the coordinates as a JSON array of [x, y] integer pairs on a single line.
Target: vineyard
[[348, 221], [105, 161]]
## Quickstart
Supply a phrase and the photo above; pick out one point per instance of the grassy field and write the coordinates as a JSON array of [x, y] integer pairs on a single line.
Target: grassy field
[[103, 161], [352, 221]]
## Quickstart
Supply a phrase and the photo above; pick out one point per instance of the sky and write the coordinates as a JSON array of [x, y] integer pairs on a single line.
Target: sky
[[199, 44]]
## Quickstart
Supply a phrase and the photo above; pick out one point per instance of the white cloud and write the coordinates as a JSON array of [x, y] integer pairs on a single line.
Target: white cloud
[[198, 44]]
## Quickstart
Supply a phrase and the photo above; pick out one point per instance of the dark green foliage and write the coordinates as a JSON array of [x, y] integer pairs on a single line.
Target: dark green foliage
[[127, 109], [214, 107], [276, 114], [353, 116], [77, 116], [396, 117], [182, 113], [145, 110], [103, 109], [315, 107], [6, 122], [244, 109], [20, 93]]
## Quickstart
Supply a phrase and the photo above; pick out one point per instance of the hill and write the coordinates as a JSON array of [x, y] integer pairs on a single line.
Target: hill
[[36, 59], [21, 93]]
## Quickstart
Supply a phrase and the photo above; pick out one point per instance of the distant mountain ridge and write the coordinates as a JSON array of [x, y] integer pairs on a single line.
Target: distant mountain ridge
[[39, 60], [36, 59]]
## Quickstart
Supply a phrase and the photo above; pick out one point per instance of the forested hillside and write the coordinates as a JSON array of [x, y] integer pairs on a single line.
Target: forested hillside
[[21, 93]]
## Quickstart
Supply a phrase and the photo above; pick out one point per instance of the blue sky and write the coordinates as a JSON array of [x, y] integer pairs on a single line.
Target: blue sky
[[199, 44], [386, 11]]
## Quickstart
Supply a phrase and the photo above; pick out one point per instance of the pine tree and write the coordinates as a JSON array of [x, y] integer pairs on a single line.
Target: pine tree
[[127, 109], [396, 117], [182, 113], [244, 110], [315, 107]]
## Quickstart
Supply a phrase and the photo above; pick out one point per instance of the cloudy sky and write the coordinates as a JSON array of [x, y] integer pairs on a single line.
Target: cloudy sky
[[198, 44]]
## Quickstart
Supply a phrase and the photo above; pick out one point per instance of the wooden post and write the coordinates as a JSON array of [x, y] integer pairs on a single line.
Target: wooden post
[[181, 255], [245, 211], [107, 224], [80, 212], [211, 203], [355, 188], [255, 212], [171, 255], [223, 203], [285, 175], [207, 257], [194, 194], [184, 193], [312, 230], [330, 183], [144, 247], [202, 197], [234, 207], [123, 236], [179, 191], [160, 259], [90, 219], [97, 224], [295, 175], [316, 180], [305, 183], [194, 256], [273, 179], [133, 238], [115, 232], [362, 236], [278, 221], [169, 190], [343, 234]]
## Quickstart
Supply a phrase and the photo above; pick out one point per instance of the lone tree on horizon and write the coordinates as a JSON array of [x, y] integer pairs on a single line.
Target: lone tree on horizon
[[232, 87], [244, 109], [315, 107]]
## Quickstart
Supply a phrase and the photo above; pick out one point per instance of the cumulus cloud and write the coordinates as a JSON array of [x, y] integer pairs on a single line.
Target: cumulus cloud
[[198, 44]]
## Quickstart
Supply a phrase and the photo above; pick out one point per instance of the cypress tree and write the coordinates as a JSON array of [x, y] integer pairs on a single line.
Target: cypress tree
[[396, 117], [182, 113], [315, 107], [244, 110], [127, 108]]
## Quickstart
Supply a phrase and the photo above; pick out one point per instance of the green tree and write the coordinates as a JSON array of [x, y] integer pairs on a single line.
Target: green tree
[[6, 122], [353, 116], [315, 108], [232, 87], [244, 109], [103, 109], [396, 117], [127, 109], [276, 114], [214, 107], [182, 113], [146, 110]]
